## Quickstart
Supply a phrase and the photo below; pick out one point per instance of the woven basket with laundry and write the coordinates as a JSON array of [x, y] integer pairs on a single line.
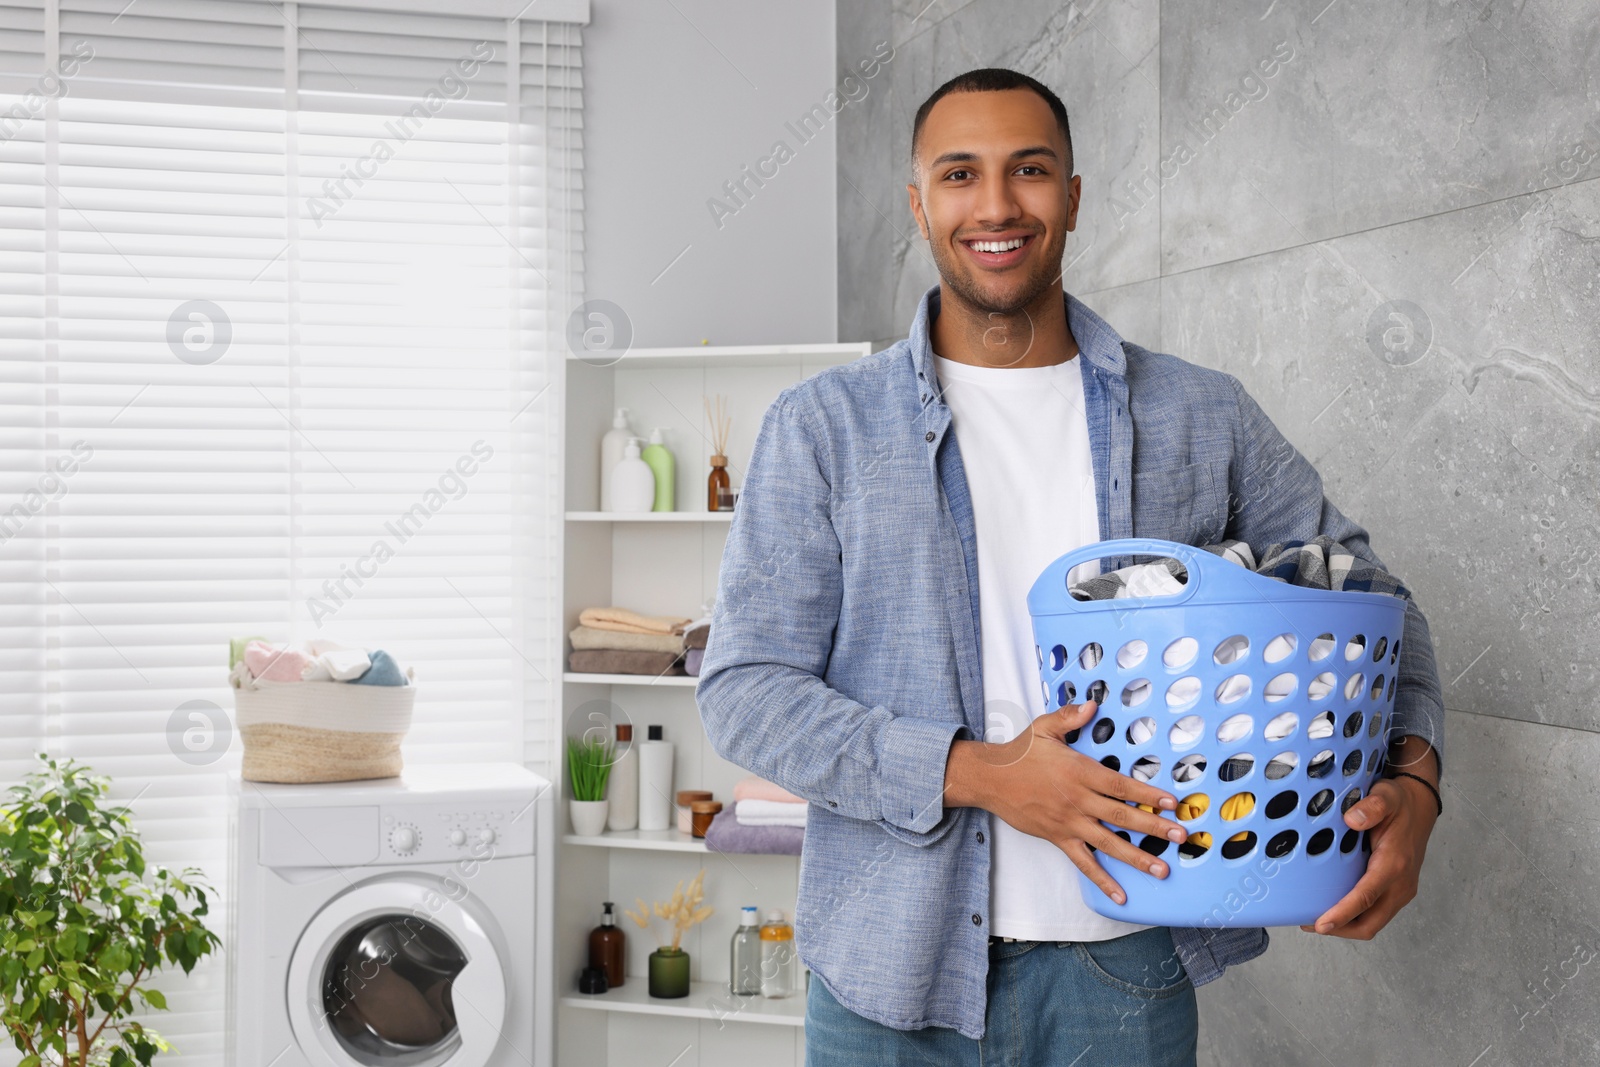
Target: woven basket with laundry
[[1256, 695], [321, 728]]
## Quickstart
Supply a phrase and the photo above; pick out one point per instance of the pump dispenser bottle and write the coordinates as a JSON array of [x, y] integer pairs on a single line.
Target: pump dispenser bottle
[[612, 446], [608, 948]]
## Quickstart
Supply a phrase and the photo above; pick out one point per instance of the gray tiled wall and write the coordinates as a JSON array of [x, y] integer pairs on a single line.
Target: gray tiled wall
[[1385, 219]]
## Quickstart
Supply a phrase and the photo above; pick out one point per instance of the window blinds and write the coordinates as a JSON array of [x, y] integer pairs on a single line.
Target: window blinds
[[282, 289]]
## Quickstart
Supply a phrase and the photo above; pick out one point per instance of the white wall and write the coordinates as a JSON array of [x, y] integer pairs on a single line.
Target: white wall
[[678, 98]]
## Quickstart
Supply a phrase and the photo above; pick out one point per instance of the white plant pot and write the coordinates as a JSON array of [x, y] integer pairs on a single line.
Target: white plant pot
[[588, 817]]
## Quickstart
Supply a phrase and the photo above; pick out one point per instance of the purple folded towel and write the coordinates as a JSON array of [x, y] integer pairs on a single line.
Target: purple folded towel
[[727, 834], [692, 660]]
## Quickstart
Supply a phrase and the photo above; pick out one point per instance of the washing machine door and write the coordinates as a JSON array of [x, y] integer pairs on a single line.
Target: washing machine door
[[394, 974]]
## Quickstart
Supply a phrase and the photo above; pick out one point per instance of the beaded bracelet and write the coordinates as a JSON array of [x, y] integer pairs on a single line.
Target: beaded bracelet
[[1426, 784]]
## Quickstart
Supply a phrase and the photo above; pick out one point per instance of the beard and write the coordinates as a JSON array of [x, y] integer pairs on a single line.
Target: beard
[[966, 280]]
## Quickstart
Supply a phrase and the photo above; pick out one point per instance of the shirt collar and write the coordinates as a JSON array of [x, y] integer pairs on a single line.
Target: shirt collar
[[1097, 341]]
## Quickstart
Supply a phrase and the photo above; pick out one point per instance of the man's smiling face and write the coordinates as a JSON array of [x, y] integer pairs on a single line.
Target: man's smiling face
[[996, 201]]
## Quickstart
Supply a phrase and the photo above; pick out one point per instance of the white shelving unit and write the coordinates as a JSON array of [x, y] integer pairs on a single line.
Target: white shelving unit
[[660, 840], [706, 1000], [664, 563], [650, 516], [629, 679]]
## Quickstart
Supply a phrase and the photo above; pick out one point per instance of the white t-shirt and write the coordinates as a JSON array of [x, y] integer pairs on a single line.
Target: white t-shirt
[[1024, 441]]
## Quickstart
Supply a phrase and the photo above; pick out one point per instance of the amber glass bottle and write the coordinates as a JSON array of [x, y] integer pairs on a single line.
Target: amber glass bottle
[[608, 947], [717, 482]]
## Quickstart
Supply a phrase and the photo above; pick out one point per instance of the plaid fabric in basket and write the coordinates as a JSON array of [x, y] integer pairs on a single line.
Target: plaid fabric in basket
[[1321, 563]]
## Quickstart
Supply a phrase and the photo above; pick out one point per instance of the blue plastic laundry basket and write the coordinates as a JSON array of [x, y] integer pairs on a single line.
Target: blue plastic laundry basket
[[1312, 674]]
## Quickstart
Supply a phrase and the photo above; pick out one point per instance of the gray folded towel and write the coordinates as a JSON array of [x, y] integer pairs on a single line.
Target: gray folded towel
[[727, 834]]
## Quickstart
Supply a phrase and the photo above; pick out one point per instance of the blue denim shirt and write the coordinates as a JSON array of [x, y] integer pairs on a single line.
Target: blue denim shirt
[[844, 652]]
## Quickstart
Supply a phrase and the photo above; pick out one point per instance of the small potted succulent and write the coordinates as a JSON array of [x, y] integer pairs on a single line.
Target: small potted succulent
[[669, 964], [84, 924], [589, 761]]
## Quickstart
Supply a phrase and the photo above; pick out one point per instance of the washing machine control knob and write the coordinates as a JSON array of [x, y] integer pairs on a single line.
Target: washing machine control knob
[[404, 839], [458, 837], [486, 836]]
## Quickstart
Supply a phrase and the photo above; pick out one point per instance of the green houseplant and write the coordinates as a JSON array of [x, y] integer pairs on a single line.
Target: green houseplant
[[83, 925], [589, 761]]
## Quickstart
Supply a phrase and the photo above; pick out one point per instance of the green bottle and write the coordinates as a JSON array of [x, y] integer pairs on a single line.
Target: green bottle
[[662, 465]]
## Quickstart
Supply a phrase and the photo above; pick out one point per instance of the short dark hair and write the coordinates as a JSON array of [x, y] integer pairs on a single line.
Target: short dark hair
[[991, 80]]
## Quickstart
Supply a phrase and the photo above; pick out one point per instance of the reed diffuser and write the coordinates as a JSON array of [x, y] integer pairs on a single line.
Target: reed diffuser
[[719, 493], [669, 964]]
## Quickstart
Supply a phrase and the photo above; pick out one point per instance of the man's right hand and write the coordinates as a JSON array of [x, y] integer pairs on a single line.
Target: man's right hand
[[1043, 788]]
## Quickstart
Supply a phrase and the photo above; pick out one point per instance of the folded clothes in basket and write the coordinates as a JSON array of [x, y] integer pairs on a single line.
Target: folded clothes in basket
[[1321, 563], [313, 661]]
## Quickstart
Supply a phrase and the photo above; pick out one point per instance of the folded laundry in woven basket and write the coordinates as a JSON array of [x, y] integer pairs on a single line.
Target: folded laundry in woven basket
[[1321, 563], [323, 730], [588, 639], [314, 661], [621, 620]]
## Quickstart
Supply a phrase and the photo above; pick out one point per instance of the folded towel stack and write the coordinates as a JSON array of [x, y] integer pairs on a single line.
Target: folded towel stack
[[758, 802], [694, 643], [765, 818], [619, 641], [727, 834]]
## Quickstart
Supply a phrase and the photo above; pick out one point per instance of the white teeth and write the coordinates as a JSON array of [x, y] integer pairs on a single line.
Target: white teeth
[[998, 246]]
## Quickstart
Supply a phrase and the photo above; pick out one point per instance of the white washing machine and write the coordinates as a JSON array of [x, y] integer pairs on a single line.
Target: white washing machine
[[400, 922]]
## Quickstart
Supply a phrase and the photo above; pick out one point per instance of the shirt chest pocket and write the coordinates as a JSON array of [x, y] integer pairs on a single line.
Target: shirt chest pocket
[[1183, 504]]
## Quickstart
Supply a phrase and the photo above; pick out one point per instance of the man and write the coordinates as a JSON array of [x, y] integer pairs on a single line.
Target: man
[[872, 652]]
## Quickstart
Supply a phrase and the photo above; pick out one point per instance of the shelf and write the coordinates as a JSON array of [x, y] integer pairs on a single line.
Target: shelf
[[650, 516], [686, 681], [706, 1000], [710, 356], [671, 840]]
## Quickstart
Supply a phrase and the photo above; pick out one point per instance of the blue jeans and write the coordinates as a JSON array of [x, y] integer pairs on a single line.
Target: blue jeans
[[1126, 1002]]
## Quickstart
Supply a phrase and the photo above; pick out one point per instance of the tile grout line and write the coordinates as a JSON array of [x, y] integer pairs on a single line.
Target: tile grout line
[[1522, 722], [1164, 274]]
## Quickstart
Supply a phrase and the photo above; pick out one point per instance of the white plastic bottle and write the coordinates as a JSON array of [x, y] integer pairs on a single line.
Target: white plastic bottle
[[633, 484], [612, 447], [622, 785], [655, 780]]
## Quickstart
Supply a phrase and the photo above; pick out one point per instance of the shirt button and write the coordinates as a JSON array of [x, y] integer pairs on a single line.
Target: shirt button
[[930, 436], [980, 837], [977, 920]]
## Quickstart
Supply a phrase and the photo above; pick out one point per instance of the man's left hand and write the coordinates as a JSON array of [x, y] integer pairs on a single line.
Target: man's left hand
[[1398, 815]]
